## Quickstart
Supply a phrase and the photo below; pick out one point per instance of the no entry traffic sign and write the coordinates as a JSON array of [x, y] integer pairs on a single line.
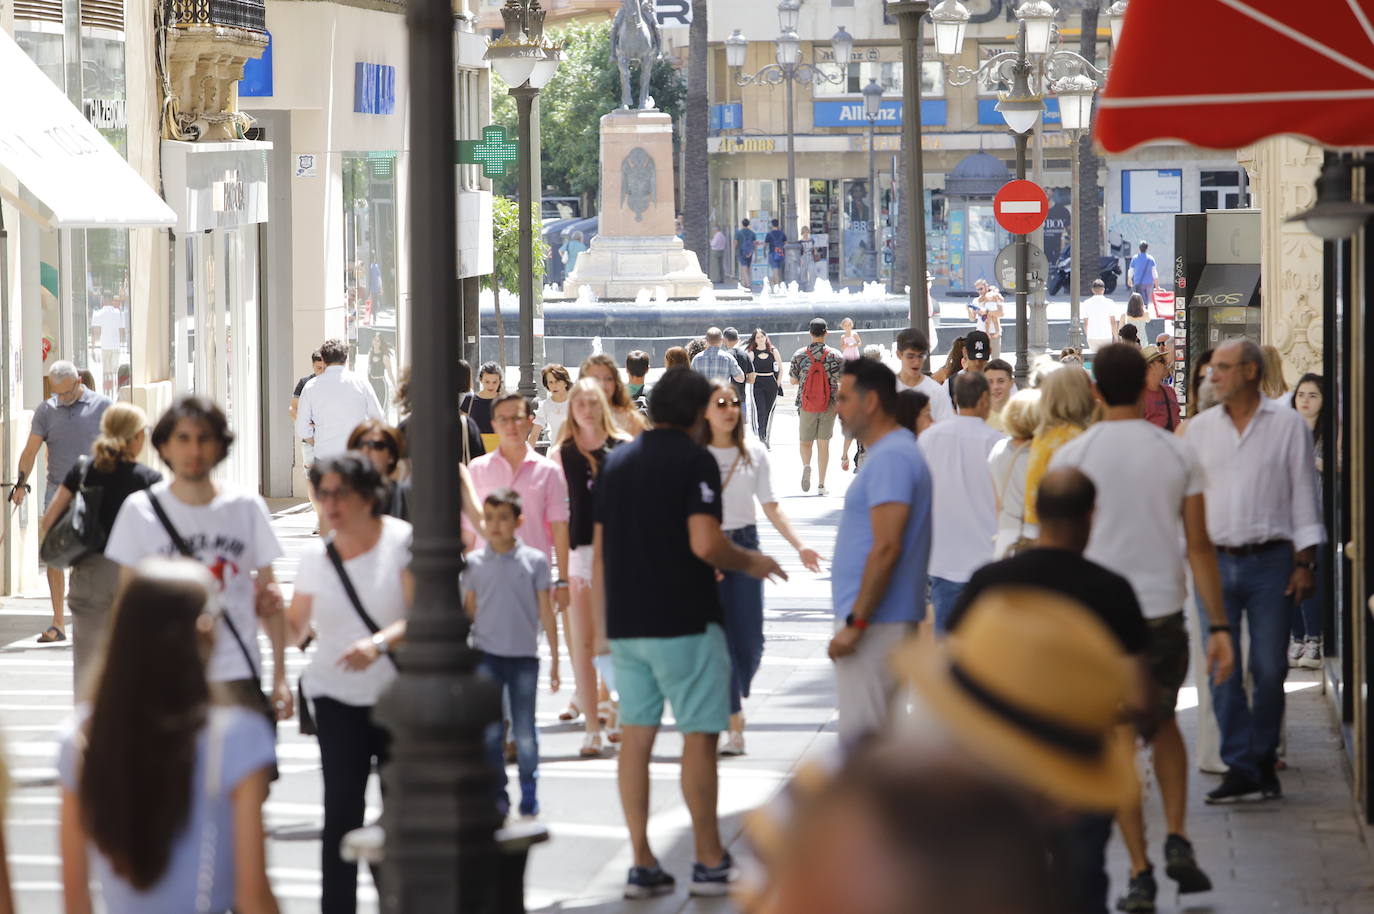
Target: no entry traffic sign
[[1020, 207]]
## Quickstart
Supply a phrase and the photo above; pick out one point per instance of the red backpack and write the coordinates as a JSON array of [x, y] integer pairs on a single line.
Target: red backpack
[[816, 386]]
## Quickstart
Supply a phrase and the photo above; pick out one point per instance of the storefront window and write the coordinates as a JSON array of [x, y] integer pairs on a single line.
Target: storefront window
[[107, 250], [42, 41], [369, 203], [889, 76]]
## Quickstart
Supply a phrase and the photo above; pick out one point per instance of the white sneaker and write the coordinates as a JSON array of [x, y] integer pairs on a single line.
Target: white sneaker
[[734, 743], [1311, 658], [822, 490], [1295, 648], [806, 478]]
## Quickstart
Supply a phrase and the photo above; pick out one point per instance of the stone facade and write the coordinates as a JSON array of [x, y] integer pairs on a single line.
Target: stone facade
[[1282, 171]]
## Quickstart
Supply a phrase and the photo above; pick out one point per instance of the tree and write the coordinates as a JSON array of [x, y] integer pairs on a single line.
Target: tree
[[505, 259], [586, 86], [696, 166]]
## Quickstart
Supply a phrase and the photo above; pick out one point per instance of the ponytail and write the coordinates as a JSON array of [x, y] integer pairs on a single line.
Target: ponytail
[[119, 426]]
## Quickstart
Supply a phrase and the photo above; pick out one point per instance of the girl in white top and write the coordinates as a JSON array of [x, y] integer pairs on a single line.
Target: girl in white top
[[1008, 463], [352, 666], [744, 477], [553, 409]]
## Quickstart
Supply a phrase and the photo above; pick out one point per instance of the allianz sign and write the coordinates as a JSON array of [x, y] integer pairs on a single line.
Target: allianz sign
[[851, 113]]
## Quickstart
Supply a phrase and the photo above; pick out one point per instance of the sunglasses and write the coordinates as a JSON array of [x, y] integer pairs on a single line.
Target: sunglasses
[[723, 402], [374, 445]]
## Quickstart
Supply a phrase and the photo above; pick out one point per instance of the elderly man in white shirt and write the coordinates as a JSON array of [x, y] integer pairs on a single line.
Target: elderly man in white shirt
[[1264, 516], [334, 403], [964, 507]]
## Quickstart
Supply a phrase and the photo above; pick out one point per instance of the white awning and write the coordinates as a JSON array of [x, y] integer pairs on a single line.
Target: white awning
[[79, 179]]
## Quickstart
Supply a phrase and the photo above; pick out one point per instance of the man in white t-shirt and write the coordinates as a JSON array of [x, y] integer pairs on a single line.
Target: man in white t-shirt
[[226, 530], [965, 502], [1135, 533], [1100, 317], [912, 348], [109, 320]]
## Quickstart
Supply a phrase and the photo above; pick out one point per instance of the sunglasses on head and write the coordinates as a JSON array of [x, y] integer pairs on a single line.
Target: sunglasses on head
[[723, 402]]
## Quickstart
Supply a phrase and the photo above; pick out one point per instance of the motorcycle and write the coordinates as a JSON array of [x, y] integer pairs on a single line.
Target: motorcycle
[[1108, 267]]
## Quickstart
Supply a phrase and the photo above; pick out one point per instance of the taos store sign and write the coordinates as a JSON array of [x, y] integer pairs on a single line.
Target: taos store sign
[[106, 113], [1211, 299], [851, 114]]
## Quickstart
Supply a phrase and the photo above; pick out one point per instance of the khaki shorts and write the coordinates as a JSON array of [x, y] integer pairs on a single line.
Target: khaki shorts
[[1167, 659], [816, 426]]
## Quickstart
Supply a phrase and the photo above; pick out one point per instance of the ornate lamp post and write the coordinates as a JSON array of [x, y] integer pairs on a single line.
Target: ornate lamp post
[[1037, 63], [1076, 94], [873, 106], [526, 62], [789, 69], [909, 14]]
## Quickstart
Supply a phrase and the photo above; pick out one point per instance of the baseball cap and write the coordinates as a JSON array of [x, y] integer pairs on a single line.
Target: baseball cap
[[977, 346]]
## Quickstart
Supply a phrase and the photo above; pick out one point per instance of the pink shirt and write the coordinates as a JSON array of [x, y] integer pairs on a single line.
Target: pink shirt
[[543, 491]]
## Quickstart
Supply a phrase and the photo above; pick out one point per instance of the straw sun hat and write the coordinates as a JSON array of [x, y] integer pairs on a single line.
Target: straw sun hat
[[1032, 684]]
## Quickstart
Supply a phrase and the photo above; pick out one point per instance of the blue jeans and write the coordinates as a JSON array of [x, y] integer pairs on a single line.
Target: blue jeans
[[1307, 616], [1252, 586], [742, 597], [943, 595], [519, 678]]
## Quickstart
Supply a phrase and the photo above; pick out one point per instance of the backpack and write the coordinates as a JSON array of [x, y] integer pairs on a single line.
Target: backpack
[[816, 386]]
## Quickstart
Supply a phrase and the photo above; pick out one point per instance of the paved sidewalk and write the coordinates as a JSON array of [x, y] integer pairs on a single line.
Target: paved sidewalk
[[1305, 854]]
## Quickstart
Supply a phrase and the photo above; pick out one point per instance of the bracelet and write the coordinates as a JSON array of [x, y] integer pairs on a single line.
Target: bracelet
[[1216, 629], [379, 642], [561, 582], [1308, 566], [851, 622]]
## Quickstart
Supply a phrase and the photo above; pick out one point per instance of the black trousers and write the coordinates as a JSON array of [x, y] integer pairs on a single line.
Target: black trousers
[[1080, 863], [765, 392], [349, 742]]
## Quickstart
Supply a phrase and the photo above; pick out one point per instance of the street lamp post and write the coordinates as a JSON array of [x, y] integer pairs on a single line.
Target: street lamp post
[[873, 107], [789, 69], [1075, 112], [526, 62], [1036, 63], [909, 13]]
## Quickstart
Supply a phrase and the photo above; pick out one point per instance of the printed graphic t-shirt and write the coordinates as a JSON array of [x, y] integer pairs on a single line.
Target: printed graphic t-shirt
[[231, 536]]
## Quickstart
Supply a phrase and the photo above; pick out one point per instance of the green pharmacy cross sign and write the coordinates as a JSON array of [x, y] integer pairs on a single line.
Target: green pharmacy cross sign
[[495, 153]]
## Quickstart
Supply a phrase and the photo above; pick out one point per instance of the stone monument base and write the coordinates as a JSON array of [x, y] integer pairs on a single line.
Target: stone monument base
[[618, 268]]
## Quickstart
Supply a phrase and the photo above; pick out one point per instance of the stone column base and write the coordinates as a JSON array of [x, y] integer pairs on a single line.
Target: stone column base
[[618, 268]]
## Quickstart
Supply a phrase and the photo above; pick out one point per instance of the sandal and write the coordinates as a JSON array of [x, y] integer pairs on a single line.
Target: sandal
[[571, 712], [51, 635], [612, 711], [591, 746]]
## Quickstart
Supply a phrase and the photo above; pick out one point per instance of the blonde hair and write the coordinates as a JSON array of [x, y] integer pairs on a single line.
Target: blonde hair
[[1066, 398], [119, 426], [589, 387], [1272, 384], [1021, 415]]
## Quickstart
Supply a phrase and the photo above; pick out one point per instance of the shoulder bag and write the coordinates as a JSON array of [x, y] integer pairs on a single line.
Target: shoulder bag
[[347, 583], [265, 704], [77, 533]]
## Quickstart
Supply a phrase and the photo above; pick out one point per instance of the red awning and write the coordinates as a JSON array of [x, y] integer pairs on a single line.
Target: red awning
[[1226, 73]]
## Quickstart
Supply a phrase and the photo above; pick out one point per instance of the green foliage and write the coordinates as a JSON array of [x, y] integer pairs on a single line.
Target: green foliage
[[505, 227], [586, 86]]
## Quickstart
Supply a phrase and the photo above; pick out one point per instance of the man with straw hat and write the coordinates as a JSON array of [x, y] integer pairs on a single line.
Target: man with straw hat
[[1032, 686]]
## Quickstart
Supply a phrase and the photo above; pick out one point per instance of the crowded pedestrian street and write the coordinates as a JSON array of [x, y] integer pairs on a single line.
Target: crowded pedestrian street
[[1307, 854]]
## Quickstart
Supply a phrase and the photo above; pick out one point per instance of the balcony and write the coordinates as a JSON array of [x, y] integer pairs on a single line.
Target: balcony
[[208, 42]]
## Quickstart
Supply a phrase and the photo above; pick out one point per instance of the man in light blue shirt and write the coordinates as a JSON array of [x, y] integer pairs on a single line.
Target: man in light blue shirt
[[1144, 273], [878, 580]]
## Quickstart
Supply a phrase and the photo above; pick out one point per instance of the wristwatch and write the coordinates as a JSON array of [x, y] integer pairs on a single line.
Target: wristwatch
[[561, 582], [379, 642], [1310, 566], [851, 622], [1215, 629]]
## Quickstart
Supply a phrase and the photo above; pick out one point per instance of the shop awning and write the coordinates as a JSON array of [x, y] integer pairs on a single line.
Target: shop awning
[[1226, 285], [1226, 73], [78, 179]]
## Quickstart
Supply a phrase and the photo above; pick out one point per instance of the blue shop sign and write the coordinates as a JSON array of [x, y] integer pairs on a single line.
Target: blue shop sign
[[374, 88], [727, 117], [257, 74], [989, 116], [934, 113]]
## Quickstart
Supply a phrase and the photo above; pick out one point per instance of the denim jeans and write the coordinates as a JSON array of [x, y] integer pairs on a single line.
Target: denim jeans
[[943, 595], [742, 598], [519, 679], [1252, 586], [1307, 616]]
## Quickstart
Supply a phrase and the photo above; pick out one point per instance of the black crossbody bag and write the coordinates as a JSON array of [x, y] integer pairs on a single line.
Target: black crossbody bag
[[181, 546]]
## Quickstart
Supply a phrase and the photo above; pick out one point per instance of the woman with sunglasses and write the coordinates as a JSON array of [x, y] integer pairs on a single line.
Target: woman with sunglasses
[[584, 442], [745, 478], [385, 447]]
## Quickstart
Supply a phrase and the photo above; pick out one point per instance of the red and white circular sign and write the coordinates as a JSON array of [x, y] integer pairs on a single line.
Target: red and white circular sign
[[1021, 207]]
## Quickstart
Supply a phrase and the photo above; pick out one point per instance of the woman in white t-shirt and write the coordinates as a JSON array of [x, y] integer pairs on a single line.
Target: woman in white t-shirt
[[744, 478], [1008, 463], [352, 665], [553, 409]]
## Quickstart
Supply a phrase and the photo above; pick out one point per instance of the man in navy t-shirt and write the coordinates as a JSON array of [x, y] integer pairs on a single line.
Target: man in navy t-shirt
[[776, 243], [878, 578], [744, 252]]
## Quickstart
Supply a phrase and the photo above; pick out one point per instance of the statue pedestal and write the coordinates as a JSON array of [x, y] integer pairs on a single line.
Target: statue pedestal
[[635, 247]]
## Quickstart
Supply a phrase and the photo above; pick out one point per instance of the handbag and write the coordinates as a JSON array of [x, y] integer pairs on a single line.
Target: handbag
[[181, 546], [77, 533]]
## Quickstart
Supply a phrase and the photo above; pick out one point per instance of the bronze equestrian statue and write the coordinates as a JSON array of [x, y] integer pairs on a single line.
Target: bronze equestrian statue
[[634, 37]]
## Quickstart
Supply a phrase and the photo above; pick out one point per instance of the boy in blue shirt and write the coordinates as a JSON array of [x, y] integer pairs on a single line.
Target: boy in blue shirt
[[506, 594]]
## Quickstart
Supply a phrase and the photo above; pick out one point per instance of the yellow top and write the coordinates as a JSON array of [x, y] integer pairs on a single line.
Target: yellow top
[[1043, 446]]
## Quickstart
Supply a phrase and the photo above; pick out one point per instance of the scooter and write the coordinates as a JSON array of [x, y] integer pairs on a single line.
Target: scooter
[[1108, 269]]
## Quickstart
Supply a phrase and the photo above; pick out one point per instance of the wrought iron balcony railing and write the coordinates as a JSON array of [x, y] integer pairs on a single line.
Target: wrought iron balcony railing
[[240, 14]]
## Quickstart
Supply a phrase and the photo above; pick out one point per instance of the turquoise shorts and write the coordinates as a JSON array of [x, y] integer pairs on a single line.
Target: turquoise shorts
[[691, 671]]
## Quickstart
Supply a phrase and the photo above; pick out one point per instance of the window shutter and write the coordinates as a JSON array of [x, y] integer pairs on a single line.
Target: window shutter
[[38, 10], [103, 14]]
